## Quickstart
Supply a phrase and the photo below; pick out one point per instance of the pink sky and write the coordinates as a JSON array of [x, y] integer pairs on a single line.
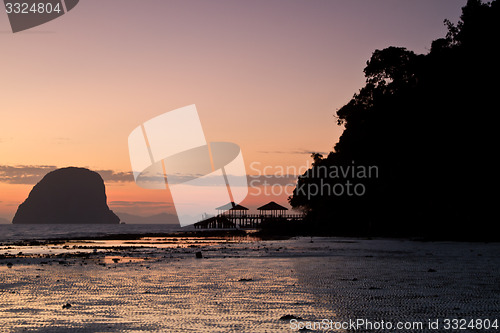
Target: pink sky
[[265, 74]]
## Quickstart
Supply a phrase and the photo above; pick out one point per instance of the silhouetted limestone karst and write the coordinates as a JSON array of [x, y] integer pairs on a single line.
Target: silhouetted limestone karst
[[67, 196]]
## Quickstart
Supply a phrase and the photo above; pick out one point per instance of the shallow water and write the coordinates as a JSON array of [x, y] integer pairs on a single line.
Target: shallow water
[[10, 232], [249, 286]]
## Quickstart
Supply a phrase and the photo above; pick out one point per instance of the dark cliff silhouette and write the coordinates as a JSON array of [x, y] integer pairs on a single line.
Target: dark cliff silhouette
[[426, 122], [67, 196]]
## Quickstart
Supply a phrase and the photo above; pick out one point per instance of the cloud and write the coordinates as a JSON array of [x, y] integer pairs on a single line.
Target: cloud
[[24, 174], [292, 152], [139, 204], [32, 174], [270, 180], [154, 177], [111, 176]]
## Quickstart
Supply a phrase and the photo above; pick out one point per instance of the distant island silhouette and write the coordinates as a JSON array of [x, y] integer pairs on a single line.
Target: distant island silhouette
[[67, 196], [162, 218], [425, 121]]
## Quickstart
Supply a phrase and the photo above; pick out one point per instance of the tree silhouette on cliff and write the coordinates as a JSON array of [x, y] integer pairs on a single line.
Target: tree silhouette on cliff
[[426, 122]]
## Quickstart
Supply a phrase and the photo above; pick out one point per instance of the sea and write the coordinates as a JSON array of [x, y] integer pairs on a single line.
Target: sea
[[17, 232]]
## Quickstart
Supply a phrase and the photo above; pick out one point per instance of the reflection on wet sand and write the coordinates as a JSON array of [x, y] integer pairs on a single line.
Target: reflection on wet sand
[[158, 284]]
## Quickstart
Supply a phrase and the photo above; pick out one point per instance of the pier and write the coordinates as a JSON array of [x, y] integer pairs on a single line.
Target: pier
[[235, 216]]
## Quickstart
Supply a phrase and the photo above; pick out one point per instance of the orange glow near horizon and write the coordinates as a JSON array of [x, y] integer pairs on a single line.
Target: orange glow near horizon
[[131, 199]]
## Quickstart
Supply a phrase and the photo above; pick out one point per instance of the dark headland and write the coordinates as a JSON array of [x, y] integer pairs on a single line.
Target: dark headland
[[426, 125], [67, 196]]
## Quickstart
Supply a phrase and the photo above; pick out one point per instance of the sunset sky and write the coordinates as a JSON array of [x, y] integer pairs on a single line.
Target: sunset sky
[[267, 75]]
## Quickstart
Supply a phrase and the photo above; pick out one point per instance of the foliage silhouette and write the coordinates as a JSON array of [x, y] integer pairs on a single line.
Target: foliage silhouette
[[426, 122]]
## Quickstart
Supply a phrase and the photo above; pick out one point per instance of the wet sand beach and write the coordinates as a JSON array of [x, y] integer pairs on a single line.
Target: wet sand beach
[[241, 284]]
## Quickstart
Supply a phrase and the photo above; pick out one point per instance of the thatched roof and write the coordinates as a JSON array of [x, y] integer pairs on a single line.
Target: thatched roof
[[272, 206], [231, 206]]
